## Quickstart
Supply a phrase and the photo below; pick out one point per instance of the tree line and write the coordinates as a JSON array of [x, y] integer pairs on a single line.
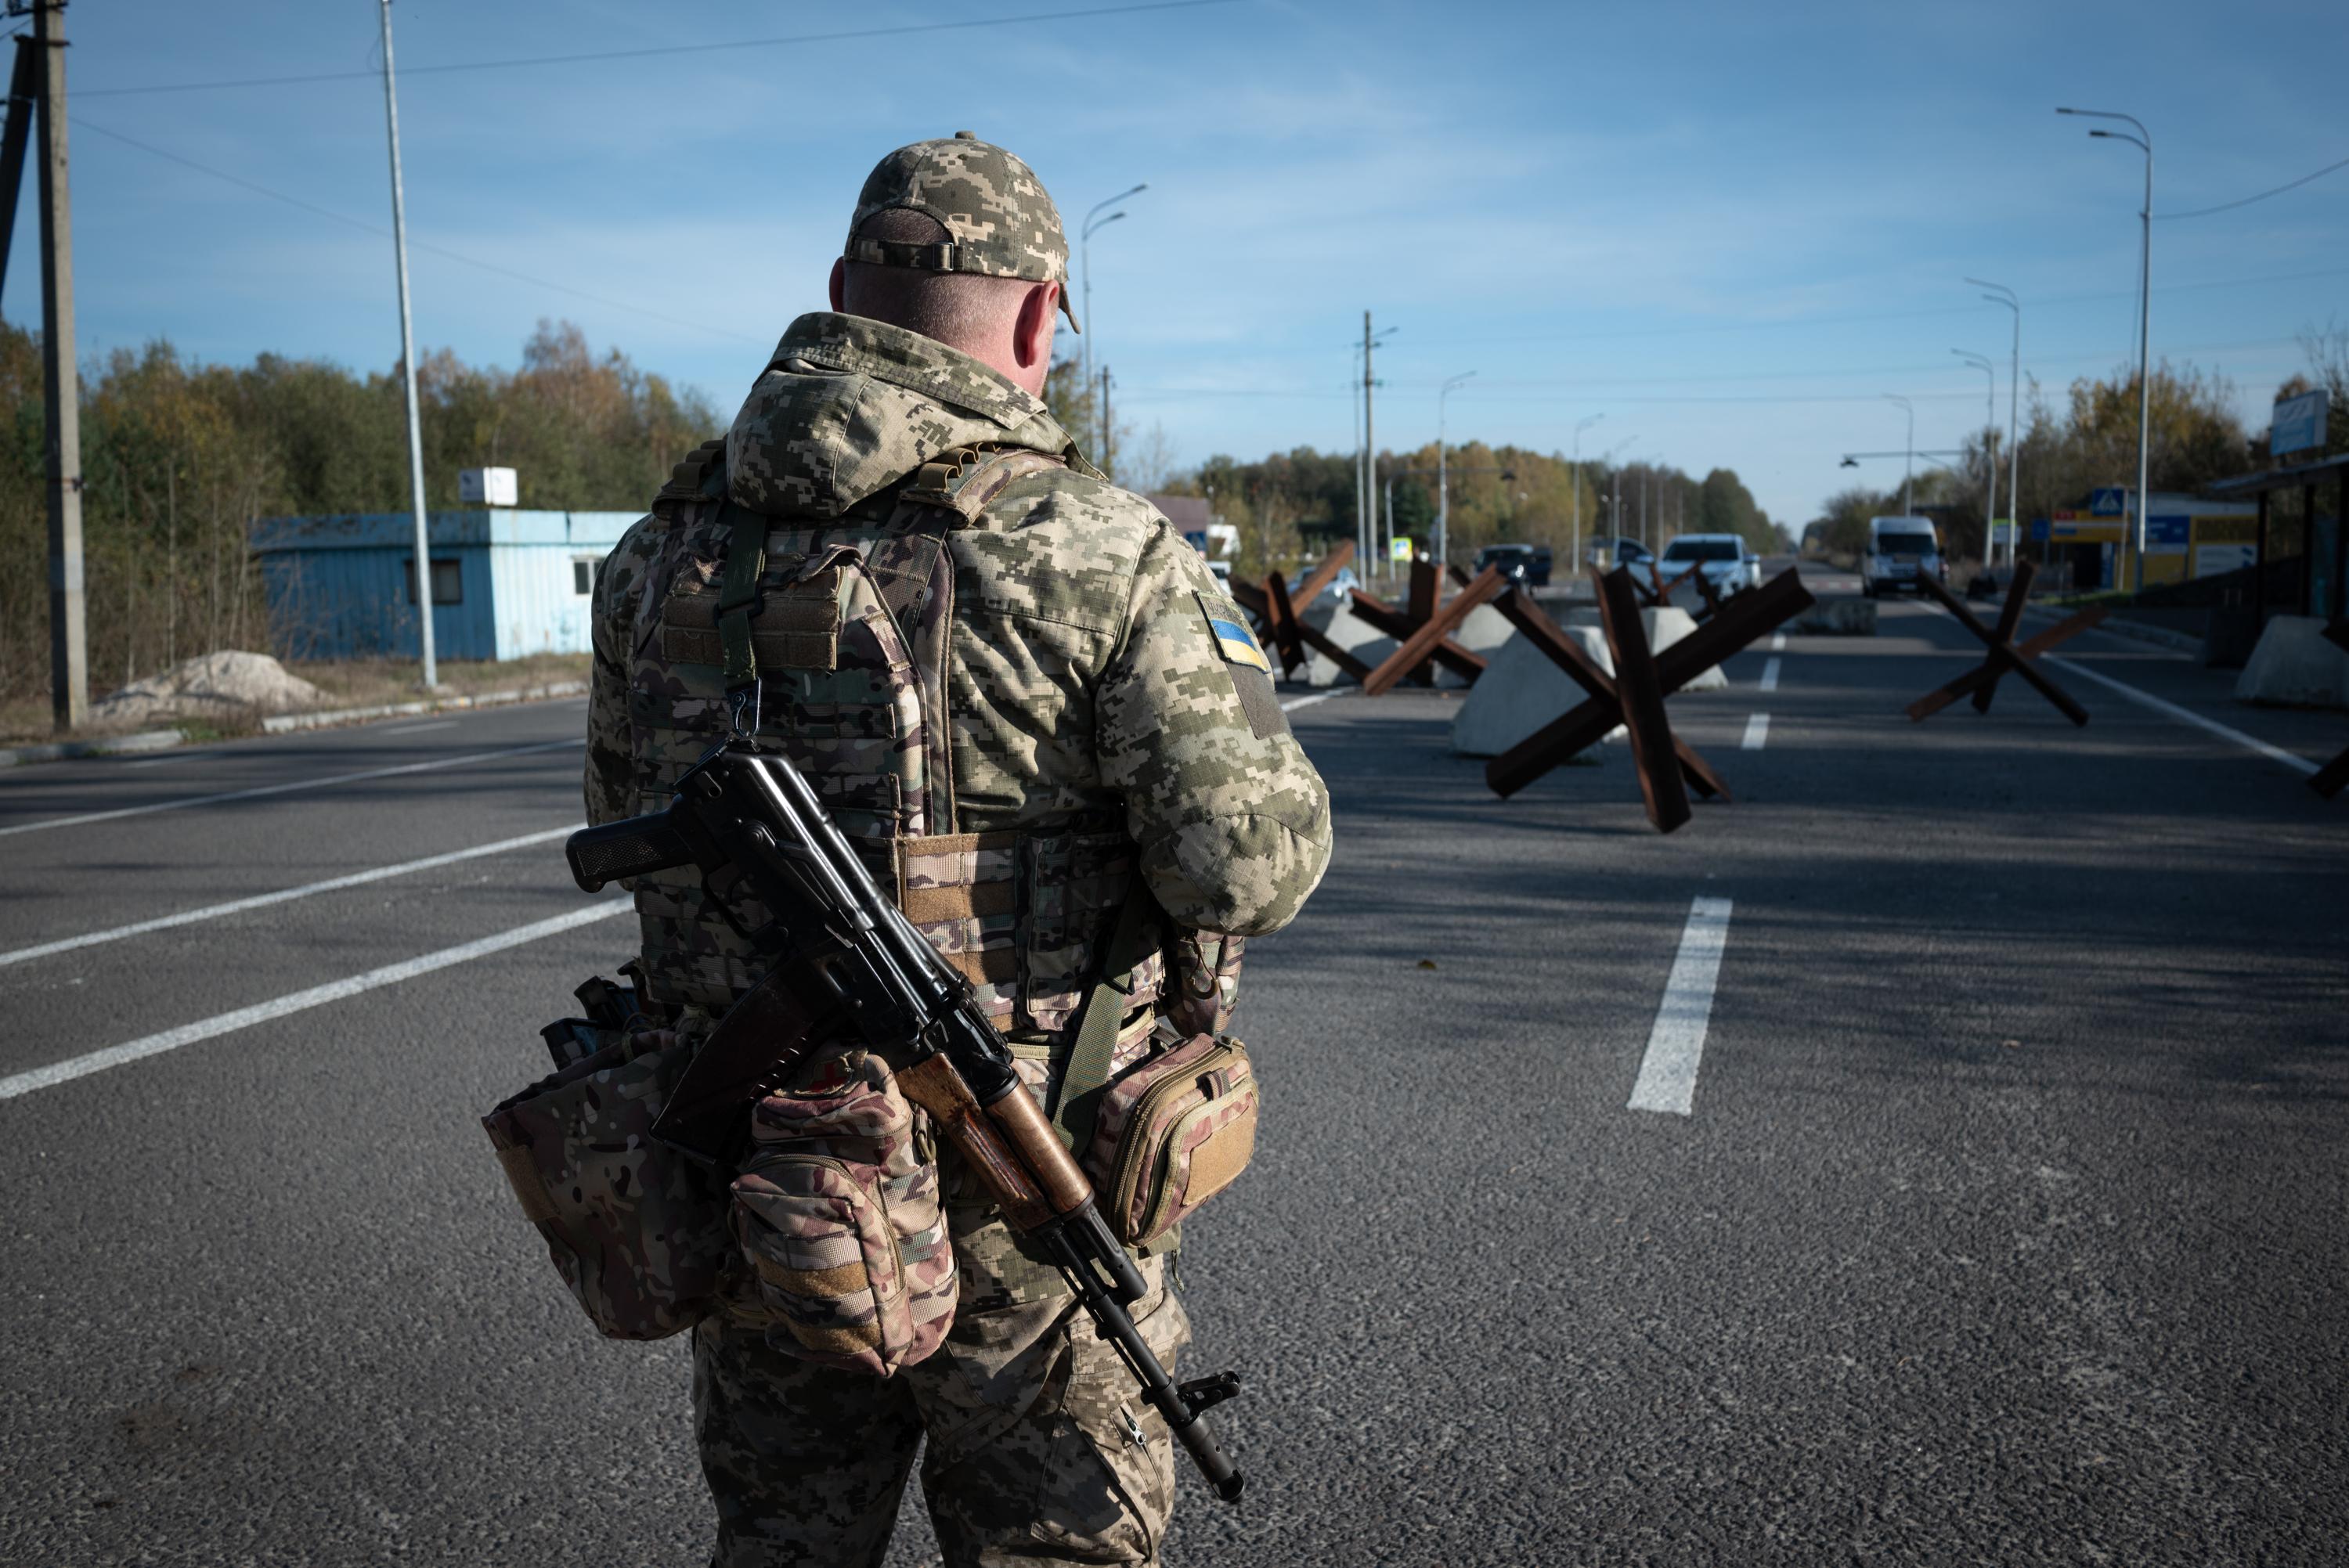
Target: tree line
[[1291, 506], [179, 458], [2087, 439]]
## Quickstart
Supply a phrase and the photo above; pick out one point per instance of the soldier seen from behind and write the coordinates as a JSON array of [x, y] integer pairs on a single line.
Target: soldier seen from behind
[[1049, 734]]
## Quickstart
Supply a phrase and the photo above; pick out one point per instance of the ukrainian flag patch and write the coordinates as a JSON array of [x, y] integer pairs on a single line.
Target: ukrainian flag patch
[[1232, 637]]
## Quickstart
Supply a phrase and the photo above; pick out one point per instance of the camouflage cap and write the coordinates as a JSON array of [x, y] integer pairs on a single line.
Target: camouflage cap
[[999, 221]]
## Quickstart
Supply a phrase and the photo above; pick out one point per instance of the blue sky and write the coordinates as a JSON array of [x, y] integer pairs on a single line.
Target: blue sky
[[1727, 229]]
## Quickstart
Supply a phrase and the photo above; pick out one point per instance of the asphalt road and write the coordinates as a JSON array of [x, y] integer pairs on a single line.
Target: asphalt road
[[2007, 1222]]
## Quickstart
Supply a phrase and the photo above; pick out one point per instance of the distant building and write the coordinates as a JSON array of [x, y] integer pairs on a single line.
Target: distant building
[[505, 583], [2186, 536], [1195, 518]]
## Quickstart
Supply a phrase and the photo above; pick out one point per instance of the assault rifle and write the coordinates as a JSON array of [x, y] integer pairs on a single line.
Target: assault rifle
[[848, 962]]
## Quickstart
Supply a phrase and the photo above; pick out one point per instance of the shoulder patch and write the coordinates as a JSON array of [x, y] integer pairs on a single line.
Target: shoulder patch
[[1231, 636]]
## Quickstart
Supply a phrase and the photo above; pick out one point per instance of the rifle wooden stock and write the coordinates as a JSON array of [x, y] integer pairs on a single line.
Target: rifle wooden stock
[[933, 1084]]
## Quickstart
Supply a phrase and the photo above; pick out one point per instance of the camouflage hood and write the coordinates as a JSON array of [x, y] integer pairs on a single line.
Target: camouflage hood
[[847, 407]]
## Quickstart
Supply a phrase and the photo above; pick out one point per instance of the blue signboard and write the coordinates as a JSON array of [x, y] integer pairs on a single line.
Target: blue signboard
[[2109, 500], [2038, 531], [2299, 423], [2167, 533], [1197, 539]]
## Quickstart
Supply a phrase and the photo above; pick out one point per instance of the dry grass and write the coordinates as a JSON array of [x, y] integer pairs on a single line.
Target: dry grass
[[364, 682], [343, 683]]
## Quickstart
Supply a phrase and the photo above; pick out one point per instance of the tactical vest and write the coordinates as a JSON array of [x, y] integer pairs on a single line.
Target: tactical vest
[[849, 623]]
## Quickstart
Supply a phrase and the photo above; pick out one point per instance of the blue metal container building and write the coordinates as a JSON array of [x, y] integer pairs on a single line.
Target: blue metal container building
[[505, 583]]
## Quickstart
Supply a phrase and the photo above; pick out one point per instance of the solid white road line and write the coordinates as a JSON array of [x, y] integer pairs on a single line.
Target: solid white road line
[[1777, 641], [283, 895], [287, 788], [1293, 704], [419, 728], [1770, 675], [302, 1001], [1668, 1073], [2186, 715], [1757, 734]]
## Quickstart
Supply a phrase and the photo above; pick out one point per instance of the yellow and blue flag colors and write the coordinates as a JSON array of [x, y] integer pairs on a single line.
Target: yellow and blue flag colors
[[1233, 638]]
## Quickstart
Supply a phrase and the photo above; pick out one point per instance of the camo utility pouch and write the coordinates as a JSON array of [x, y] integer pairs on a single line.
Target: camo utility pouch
[[837, 1213], [637, 1230], [1171, 1132]]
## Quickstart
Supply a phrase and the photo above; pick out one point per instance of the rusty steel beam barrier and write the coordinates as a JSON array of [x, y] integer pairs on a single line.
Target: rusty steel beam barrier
[[1668, 766], [1437, 628], [1399, 625], [2004, 655]]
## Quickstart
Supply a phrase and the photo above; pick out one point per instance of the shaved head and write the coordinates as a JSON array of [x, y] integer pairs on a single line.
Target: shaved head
[[996, 320]]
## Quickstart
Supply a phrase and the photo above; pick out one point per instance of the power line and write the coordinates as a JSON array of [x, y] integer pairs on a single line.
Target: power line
[[1514, 390], [311, 207], [844, 36], [2230, 206], [1810, 321]]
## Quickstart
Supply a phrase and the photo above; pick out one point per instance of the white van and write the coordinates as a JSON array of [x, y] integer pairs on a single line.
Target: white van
[[1898, 549]]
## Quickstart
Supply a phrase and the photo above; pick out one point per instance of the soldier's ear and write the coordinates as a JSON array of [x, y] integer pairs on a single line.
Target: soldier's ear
[[1031, 334], [839, 283]]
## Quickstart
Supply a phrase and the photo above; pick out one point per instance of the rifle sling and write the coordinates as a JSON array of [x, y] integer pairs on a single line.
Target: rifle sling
[[1077, 1106]]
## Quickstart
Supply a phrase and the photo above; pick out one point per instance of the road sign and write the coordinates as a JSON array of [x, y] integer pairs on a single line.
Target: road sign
[[2109, 500], [2038, 531], [2299, 423], [1399, 550]]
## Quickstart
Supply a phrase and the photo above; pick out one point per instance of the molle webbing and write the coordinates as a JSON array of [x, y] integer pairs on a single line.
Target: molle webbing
[[737, 595], [846, 623], [794, 626]]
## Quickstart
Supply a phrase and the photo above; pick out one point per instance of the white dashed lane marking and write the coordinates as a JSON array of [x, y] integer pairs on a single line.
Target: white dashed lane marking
[[282, 895], [1770, 675], [257, 792], [1758, 732], [1676, 1044], [302, 1001]]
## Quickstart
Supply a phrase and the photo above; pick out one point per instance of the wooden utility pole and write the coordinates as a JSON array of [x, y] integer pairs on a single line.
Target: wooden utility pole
[[61, 386], [1372, 557]]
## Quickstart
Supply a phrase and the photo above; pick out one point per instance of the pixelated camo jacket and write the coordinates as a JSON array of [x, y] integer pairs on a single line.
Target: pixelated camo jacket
[[1092, 667]]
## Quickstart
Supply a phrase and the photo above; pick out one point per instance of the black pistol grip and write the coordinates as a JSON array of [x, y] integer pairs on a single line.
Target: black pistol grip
[[633, 847]]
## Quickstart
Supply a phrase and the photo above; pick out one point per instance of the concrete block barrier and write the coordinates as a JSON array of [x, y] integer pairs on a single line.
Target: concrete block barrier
[[1519, 693], [2294, 666]]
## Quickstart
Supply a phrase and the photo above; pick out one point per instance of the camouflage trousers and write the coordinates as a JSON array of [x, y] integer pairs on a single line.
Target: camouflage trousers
[[1038, 1449]]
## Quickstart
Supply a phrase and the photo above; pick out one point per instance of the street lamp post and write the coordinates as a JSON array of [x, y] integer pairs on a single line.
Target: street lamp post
[[1999, 293], [1908, 472], [2143, 139], [1989, 456], [1443, 491], [1085, 264], [1615, 506], [1436, 474], [1574, 482]]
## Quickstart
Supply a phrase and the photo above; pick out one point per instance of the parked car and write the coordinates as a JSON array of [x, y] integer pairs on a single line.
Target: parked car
[[1526, 563], [1619, 552], [1898, 549], [1722, 558], [1338, 588]]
